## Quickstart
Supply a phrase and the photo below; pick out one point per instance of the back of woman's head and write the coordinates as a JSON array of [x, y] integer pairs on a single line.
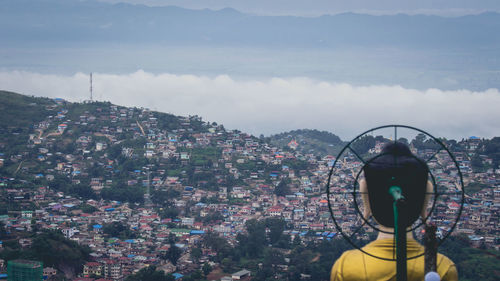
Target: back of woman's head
[[396, 166]]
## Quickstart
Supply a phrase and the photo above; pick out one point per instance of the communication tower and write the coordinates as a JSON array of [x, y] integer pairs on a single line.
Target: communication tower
[[91, 89]]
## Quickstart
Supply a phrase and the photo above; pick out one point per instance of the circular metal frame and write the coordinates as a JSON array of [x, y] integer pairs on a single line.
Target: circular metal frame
[[366, 221]]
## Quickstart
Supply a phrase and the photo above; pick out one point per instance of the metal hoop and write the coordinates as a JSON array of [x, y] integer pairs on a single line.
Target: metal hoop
[[435, 187]]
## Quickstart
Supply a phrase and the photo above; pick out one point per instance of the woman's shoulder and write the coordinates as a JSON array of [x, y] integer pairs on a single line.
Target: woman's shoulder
[[342, 265], [351, 255], [446, 268]]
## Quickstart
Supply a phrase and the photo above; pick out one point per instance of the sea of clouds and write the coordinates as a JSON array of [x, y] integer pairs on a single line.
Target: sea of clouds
[[274, 105]]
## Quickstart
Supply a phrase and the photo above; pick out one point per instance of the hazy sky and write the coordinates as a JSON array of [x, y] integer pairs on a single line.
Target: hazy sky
[[289, 90], [276, 105], [319, 7]]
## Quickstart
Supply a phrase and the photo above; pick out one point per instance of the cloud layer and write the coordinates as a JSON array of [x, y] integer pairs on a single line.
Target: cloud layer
[[276, 105]]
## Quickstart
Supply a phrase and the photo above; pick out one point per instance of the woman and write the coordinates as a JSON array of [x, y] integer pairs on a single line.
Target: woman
[[395, 166]]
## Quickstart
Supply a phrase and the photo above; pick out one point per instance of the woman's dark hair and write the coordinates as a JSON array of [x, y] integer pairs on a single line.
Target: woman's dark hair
[[396, 166]]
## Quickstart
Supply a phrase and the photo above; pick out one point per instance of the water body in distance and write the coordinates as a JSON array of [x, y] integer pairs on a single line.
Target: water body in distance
[[410, 68]]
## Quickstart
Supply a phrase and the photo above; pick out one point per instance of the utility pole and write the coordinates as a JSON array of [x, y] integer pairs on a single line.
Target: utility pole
[[147, 197]]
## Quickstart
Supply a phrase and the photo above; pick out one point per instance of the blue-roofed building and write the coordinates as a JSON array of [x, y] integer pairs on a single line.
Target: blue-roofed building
[[332, 234], [197, 232], [177, 275]]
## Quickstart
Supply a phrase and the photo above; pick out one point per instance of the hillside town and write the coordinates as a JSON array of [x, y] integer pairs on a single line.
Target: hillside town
[[165, 181]]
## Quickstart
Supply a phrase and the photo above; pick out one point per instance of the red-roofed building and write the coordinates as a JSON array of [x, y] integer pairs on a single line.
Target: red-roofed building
[[275, 211], [92, 268]]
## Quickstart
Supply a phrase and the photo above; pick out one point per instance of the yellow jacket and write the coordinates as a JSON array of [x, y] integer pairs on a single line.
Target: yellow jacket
[[355, 265]]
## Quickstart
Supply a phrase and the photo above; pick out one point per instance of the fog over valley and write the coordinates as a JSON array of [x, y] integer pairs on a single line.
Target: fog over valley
[[268, 106]]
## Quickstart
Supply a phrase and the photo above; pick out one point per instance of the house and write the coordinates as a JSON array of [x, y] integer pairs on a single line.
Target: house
[[240, 274], [62, 127], [49, 271], [92, 268], [112, 269]]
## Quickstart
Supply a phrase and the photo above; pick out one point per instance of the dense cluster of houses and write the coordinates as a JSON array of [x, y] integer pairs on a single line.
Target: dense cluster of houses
[[255, 167]]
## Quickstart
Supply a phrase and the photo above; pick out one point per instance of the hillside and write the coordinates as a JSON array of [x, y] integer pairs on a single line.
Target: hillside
[[309, 141], [138, 186]]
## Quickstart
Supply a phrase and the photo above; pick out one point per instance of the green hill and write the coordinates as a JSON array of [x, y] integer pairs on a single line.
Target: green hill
[[310, 141], [20, 111]]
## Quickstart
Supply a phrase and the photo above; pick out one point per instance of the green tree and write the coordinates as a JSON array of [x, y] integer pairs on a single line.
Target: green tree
[[150, 274], [3, 233], [297, 241], [55, 250], [363, 144], [169, 212], [118, 229], [227, 264], [282, 189], [173, 254], [276, 227], [218, 244], [195, 276], [254, 243], [196, 253], [206, 268]]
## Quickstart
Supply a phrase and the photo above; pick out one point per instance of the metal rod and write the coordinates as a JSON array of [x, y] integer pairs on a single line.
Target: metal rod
[[401, 267], [430, 243]]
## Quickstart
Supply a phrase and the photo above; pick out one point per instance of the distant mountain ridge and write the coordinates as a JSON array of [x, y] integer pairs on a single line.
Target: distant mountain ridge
[[56, 21]]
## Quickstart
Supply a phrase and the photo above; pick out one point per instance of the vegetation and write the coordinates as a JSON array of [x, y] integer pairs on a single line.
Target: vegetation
[[363, 144], [421, 141], [282, 189], [150, 274], [173, 254], [310, 141], [53, 249], [119, 230], [472, 263], [26, 109], [491, 148]]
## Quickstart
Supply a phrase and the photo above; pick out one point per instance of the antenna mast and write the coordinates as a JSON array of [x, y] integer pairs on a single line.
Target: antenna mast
[[91, 86]]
